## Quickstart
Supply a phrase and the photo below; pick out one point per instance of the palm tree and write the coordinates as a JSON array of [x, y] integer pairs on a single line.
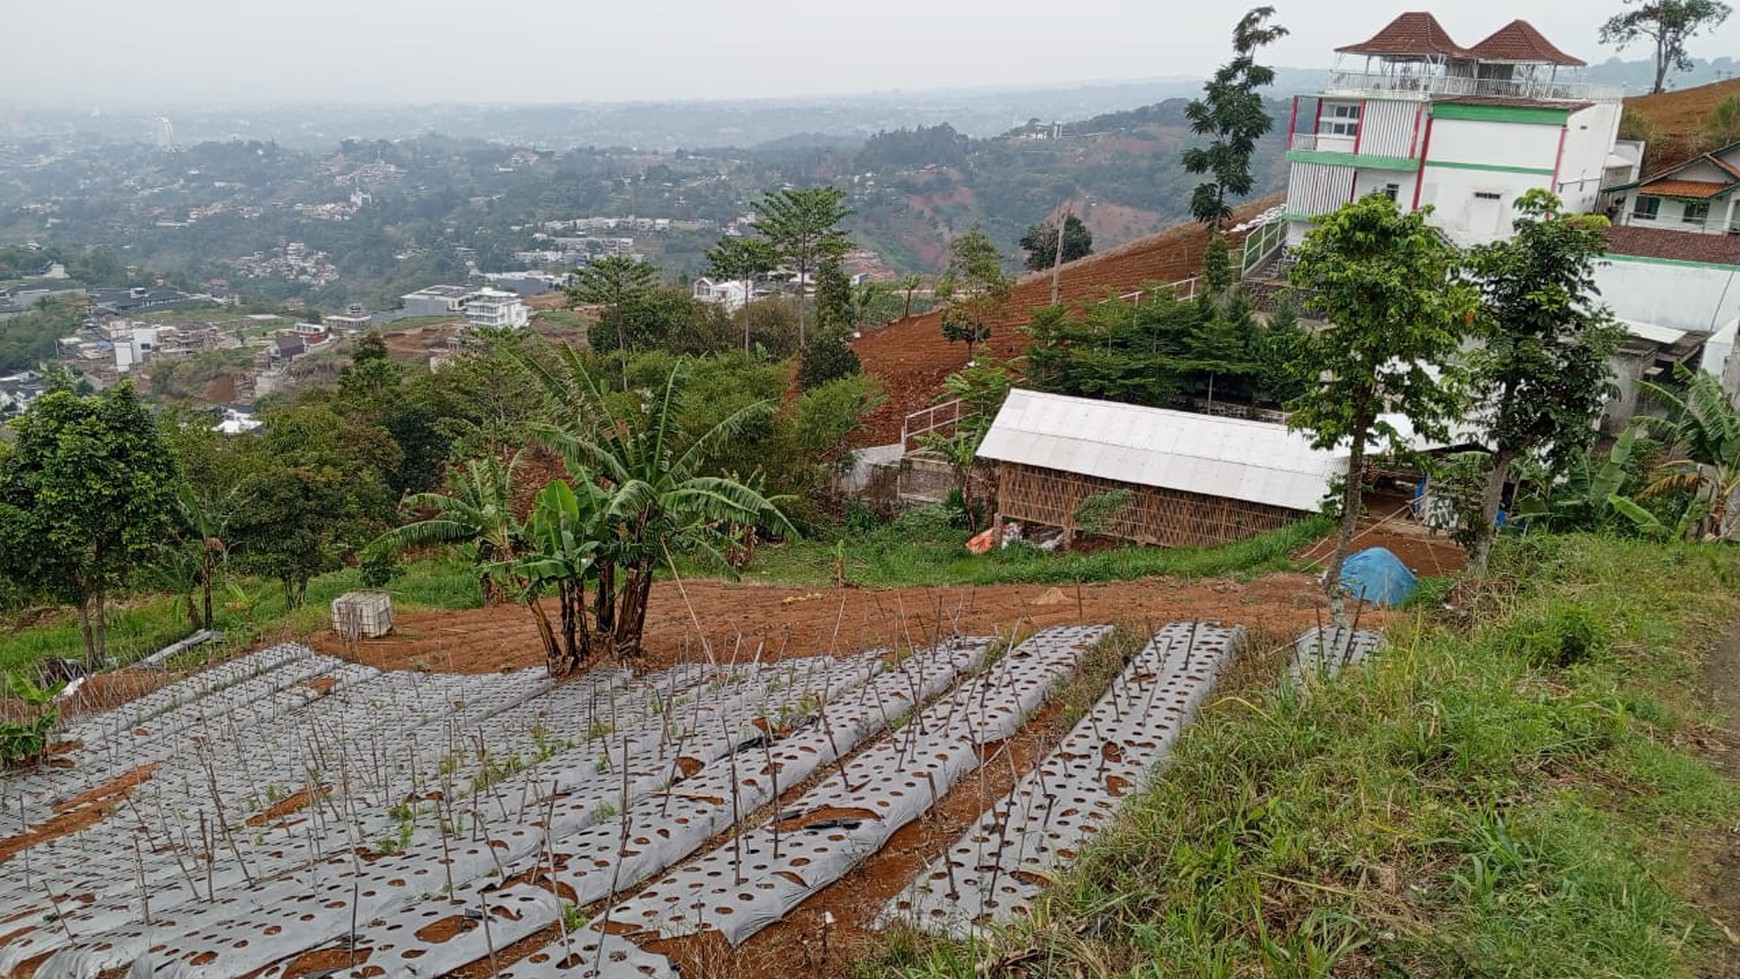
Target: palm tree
[[1705, 429], [476, 513], [657, 501]]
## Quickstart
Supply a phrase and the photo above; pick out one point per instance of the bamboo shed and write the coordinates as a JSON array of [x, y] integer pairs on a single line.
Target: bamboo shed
[[1151, 475]]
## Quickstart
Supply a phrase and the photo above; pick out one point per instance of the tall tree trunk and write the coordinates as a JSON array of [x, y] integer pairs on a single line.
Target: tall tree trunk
[[1661, 64], [1490, 498], [84, 614], [209, 568], [100, 626], [1351, 498], [803, 287]]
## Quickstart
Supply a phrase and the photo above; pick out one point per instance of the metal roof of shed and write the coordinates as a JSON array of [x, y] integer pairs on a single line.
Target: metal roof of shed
[[1259, 462]]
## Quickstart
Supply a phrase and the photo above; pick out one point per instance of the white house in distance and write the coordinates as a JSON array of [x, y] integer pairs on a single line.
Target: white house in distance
[[1415, 115], [495, 309], [1699, 195], [731, 294]]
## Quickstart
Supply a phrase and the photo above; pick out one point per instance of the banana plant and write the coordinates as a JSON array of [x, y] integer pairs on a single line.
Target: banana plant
[[562, 544]]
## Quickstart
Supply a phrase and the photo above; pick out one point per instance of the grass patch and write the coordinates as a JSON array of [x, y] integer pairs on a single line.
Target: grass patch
[[144, 624], [1507, 796], [915, 550]]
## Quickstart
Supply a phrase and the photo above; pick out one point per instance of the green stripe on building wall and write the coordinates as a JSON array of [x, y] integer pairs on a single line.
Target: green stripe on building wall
[[1681, 262], [1529, 114], [1489, 168], [1362, 160]]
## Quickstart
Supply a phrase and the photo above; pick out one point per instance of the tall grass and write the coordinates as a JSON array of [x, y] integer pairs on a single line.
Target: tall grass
[[1508, 796], [918, 552], [144, 624]]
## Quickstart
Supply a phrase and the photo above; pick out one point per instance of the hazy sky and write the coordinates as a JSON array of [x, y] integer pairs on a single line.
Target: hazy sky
[[234, 51]]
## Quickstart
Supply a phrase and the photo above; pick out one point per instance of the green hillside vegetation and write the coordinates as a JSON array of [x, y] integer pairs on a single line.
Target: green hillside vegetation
[[1512, 790]]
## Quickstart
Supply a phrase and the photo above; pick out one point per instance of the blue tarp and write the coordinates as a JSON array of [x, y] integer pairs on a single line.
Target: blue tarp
[[1377, 575]]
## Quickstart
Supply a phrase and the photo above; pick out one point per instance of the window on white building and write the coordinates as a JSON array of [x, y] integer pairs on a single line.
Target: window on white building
[[1696, 212], [1392, 190], [1340, 120], [1646, 208]]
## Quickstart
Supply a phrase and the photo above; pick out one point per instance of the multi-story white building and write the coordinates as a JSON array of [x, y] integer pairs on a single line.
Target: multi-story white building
[[496, 310], [1412, 114]]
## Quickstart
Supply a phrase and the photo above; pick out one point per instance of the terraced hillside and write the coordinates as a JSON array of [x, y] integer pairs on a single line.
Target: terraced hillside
[[291, 814]]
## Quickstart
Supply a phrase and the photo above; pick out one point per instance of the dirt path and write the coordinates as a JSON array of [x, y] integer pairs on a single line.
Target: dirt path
[[741, 621], [1721, 679]]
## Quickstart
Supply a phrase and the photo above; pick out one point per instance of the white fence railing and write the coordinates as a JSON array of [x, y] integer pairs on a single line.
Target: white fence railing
[[1262, 244], [925, 421], [1427, 85]]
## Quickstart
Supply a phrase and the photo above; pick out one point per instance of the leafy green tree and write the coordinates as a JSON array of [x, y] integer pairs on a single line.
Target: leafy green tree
[[829, 417], [667, 318], [1540, 375], [804, 224], [292, 527], [1040, 243], [1668, 24], [86, 495], [744, 260], [829, 358], [835, 306], [475, 513], [659, 500], [973, 289], [1232, 112], [612, 281], [1388, 284], [1704, 426]]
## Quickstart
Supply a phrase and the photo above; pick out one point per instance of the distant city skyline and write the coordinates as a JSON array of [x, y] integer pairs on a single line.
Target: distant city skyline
[[169, 52]]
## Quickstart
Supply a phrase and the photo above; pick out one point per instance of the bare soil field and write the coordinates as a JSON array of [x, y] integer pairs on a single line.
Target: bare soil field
[[745, 622]]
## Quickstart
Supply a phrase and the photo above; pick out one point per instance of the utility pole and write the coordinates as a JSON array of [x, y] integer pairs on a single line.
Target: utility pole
[[1057, 256]]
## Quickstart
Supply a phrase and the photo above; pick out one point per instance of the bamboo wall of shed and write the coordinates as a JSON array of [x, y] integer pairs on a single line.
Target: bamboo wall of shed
[[1169, 518]]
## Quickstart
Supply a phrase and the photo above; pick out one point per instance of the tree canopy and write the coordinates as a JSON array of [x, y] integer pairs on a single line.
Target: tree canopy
[[804, 225], [612, 281], [1388, 286], [1040, 243], [973, 289], [1668, 25], [86, 497], [1540, 375], [1231, 112]]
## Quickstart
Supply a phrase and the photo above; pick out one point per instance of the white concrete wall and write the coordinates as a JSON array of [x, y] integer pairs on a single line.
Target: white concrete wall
[[1367, 181], [1510, 144], [1471, 220], [1683, 297], [1589, 137]]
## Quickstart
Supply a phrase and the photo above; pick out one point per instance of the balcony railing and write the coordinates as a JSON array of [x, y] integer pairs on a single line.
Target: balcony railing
[[1427, 86]]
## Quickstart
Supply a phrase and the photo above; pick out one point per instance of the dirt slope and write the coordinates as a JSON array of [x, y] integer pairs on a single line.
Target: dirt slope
[[912, 358], [1678, 120]]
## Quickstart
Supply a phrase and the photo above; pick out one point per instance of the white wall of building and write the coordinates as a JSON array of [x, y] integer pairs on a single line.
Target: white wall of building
[[1684, 297], [1589, 137], [1475, 206]]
